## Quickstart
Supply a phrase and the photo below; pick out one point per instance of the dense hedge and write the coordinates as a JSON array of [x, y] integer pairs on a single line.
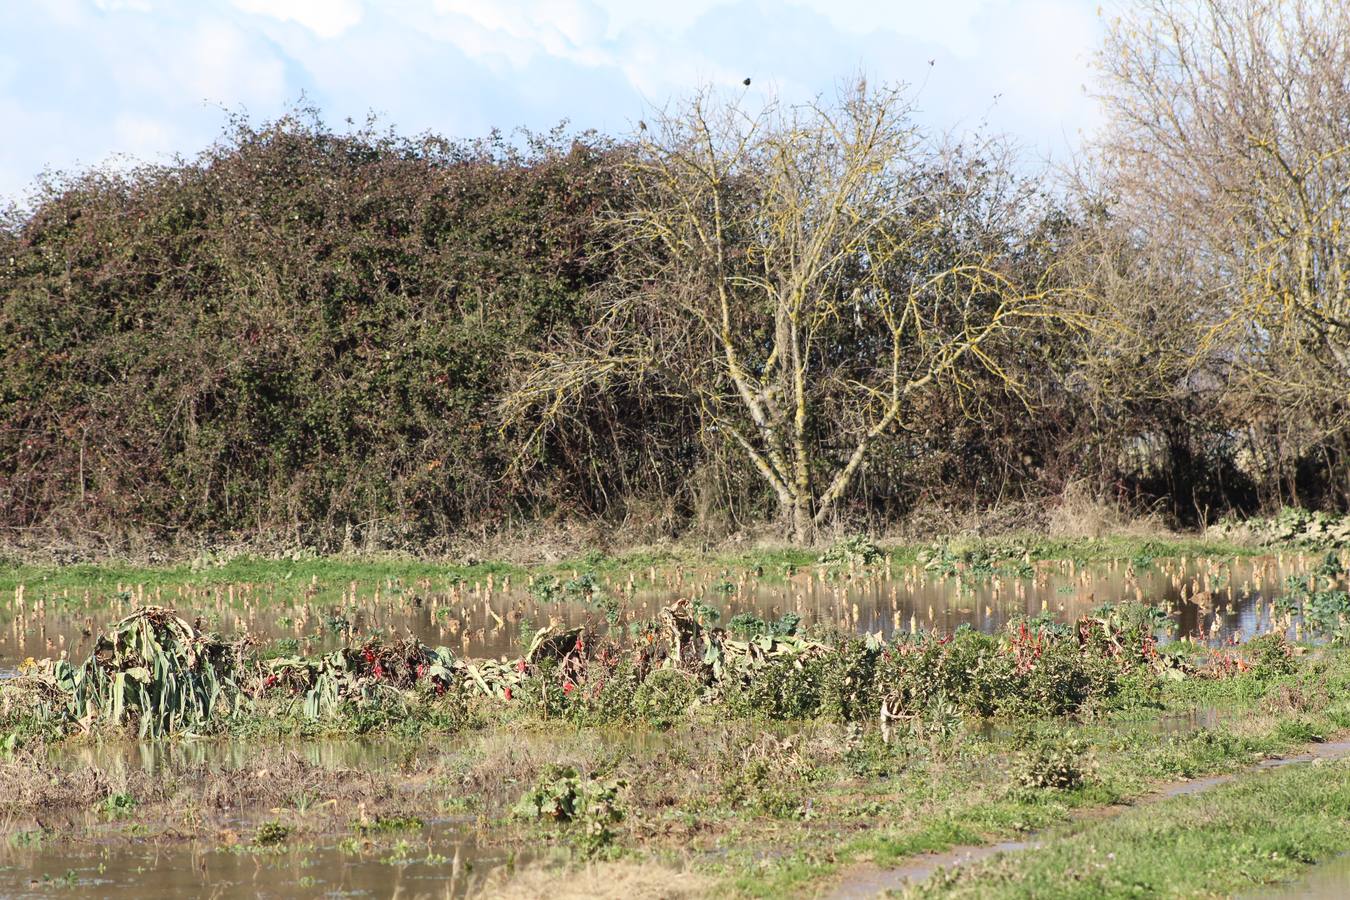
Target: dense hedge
[[301, 332], [307, 334]]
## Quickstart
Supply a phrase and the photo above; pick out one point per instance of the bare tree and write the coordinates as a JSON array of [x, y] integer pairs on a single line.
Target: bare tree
[[804, 272], [1229, 135]]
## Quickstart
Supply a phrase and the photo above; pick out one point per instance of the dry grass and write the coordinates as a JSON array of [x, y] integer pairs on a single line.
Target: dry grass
[[1077, 513], [603, 881], [1081, 514]]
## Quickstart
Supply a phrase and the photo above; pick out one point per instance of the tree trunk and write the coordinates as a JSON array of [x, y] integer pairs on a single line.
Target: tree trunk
[[802, 524]]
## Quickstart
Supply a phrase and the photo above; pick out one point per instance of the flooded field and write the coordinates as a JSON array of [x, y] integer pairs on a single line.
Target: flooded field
[[1207, 600], [439, 859], [423, 787]]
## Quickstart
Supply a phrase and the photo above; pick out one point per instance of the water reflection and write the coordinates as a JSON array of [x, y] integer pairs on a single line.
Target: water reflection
[[152, 757], [438, 860], [1208, 599]]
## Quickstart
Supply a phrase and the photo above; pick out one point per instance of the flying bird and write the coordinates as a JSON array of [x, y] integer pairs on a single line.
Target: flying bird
[[746, 82]]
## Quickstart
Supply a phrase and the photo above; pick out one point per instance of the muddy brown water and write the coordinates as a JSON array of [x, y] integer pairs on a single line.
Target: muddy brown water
[[1207, 599], [443, 859], [439, 860], [357, 753], [228, 754], [1328, 881]]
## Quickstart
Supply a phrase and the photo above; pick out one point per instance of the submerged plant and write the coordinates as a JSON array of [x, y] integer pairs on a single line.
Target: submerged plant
[[1325, 604], [748, 625], [270, 834], [117, 806]]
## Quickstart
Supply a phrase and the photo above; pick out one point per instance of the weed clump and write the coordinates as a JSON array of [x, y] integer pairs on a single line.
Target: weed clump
[[1272, 656], [1055, 762], [663, 697], [561, 796], [608, 694], [271, 834], [387, 825], [857, 550], [781, 687], [767, 776]]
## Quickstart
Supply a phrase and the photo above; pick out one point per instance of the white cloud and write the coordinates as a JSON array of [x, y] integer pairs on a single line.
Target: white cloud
[[1040, 54], [210, 60], [89, 78], [142, 6], [326, 18], [220, 62], [144, 136], [521, 29]]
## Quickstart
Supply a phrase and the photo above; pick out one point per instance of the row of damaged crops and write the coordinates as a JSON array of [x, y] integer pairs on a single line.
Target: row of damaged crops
[[157, 673]]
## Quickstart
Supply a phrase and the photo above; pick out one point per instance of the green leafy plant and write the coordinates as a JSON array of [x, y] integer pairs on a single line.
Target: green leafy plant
[[1056, 762], [857, 550], [563, 797], [663, 697], [270, 834], [156, 670], [117, 806]]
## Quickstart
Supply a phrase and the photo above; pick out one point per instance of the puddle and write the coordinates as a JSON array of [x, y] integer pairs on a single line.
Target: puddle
[[152, 757], [1328, 881], [873, 883], [1207, 599], [438, 860]]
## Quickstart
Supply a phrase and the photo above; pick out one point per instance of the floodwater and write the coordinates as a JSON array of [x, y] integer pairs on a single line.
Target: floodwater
[[151, 757], [1328, 881], [443, 859], [438, 860], [1207, 599]]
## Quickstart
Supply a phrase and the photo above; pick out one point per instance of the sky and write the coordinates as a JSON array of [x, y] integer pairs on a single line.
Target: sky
[[85, 82]]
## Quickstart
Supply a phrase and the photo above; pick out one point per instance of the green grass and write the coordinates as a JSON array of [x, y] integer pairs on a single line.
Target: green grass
[[1262, 828], [334, 571], [869, 801], [936, 806]]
